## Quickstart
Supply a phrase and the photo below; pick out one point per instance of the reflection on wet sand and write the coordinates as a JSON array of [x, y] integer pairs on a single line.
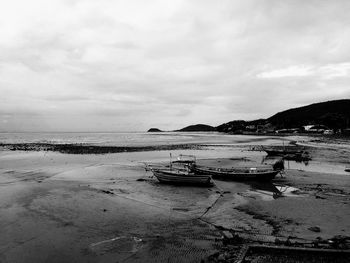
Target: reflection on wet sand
[[269, 191]]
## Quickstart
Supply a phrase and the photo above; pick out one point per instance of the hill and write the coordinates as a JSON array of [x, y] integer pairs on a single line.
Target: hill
[[154, 130], [333, 114], [198, 128], [240, 126]]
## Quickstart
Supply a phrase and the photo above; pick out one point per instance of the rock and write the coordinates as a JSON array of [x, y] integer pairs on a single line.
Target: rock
[[141, 180], [315, 229], [227, 234], [107, 192]]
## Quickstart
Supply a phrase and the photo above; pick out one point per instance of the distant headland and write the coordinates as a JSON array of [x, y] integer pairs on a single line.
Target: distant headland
[[328, 117]]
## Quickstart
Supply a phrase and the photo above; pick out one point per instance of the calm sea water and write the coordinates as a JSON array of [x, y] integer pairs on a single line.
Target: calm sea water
[[135, 139]]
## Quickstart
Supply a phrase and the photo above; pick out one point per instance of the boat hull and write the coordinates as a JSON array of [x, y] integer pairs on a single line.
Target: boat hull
[[282, 152], [238, 175], [175, 177], [285, 150]]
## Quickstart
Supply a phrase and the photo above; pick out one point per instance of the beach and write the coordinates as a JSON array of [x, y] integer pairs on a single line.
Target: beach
[[98, 203]]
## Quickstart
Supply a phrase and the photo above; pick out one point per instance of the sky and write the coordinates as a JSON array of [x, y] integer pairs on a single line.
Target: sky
[[108, 65]]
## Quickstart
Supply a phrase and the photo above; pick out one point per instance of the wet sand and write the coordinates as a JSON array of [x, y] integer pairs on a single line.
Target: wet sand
[[61, 209], [57, 207]]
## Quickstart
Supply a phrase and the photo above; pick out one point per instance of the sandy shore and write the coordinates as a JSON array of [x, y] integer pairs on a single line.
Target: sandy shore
[[57, 207]]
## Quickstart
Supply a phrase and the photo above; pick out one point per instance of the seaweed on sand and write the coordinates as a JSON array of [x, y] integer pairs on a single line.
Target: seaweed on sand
[[92, 149]]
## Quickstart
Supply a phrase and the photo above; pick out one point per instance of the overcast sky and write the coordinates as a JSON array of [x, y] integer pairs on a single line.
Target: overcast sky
[[106, 65]]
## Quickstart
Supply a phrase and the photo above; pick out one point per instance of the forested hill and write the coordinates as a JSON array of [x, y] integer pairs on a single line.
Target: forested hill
[[333, 114], [198, 128]]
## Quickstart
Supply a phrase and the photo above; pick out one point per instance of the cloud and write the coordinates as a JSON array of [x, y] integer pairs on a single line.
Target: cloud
[[335, 70], [328, 71], [168, 63], [293, 71]]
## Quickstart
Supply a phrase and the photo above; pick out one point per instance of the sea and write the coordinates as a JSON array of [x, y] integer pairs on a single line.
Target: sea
[[134, 138]]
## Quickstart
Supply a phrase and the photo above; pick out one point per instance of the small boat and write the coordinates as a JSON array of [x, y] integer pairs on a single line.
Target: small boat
[[284, 150], [174, 176], [238, 173], [347, 169]]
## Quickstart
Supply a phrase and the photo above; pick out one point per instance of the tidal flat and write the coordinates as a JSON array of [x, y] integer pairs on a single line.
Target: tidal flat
[[66, 207]]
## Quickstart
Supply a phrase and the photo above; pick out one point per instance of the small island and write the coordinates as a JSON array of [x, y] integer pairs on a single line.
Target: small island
[[154, 130]]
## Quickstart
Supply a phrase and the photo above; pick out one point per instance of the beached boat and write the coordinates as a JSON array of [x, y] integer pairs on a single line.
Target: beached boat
[[284, 150], [237, 173], [174, 176]]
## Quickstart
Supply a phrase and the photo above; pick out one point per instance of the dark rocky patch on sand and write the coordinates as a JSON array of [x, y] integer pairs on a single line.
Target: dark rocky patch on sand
[[93, 149]]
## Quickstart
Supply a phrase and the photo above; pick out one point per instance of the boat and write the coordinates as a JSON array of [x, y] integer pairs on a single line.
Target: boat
[[175, 176], [238, 173], [347, 169], [284, 150]]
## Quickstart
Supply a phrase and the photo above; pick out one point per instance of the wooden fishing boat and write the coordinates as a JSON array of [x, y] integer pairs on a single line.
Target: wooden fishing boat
[[284, 150], [174, 176], [237, 173]]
